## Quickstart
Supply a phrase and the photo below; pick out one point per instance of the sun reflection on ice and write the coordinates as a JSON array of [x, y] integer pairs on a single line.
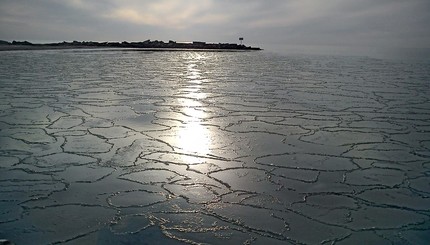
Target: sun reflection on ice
[[194, 138]]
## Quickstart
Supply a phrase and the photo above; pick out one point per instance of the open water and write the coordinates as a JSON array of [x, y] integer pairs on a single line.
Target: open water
[[127, 147]]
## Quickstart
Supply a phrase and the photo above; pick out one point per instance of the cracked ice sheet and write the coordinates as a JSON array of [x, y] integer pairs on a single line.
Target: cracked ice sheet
[[195, 147]]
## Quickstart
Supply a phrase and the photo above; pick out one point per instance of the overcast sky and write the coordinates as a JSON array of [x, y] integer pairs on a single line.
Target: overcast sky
[[271, 24]]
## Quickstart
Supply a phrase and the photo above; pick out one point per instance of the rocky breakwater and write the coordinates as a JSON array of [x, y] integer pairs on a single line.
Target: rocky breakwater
[[148, 44]]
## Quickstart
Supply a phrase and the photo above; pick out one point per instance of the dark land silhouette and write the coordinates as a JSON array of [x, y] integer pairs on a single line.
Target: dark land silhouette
[[148, 44]]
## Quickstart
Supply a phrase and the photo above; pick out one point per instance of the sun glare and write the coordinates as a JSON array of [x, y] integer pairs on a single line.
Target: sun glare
[[194, 138]]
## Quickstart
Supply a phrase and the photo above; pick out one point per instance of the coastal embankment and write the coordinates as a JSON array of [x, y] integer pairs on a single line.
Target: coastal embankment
[[145, 45]]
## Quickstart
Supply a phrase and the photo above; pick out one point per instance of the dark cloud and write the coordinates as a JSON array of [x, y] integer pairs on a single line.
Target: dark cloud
[[269, 23]]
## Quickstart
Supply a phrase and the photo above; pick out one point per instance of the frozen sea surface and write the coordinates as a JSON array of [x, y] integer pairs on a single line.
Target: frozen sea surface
[[122, 147]]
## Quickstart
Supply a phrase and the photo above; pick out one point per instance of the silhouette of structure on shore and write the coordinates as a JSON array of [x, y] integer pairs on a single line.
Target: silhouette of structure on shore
[[148, 44]]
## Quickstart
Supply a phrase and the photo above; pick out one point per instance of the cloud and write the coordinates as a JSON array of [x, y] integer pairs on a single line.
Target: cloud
[[394, 23], [170, 14], [346, 22]]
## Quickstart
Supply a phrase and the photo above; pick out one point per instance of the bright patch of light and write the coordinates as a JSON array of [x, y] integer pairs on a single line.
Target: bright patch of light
[[194, 138]]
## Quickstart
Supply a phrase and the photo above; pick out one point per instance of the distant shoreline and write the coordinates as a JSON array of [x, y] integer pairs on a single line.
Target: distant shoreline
[[137, 46]]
